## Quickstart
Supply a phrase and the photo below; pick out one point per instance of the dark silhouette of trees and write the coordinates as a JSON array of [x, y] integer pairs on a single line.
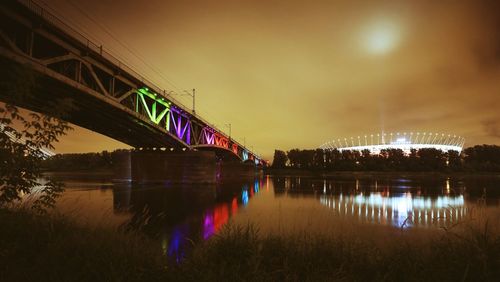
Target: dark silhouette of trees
[[395, 159], [336, 158], [477, 158], [454, 161], [280, 159], [85, 161], [413, 162], [482, 158], [432, 159], [319, 160], [306, 159], [294, 157]]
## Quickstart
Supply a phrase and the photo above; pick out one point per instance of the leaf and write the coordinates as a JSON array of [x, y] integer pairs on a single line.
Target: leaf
[[21, 157]]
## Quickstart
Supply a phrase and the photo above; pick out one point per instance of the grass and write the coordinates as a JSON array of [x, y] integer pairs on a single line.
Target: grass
[[52, 248], [240, 254]]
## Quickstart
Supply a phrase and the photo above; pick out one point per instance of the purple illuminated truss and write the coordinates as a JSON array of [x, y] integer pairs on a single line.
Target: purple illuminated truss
[[183, 131], [209, 135]]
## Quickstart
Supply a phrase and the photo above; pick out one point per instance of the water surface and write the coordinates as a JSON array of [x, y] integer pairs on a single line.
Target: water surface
[[180, 215]]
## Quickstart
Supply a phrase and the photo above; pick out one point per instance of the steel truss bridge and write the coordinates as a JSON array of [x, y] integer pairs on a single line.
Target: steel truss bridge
[[107, 96]]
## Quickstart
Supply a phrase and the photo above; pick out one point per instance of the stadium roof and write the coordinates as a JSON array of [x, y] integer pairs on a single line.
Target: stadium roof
[[405, 141]]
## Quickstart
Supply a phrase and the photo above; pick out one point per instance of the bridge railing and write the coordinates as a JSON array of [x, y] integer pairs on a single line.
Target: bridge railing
[[99, 49]]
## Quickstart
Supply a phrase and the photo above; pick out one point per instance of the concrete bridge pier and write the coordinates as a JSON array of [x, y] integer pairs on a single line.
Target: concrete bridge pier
[[190, 166], [230, 171], [157, 166]]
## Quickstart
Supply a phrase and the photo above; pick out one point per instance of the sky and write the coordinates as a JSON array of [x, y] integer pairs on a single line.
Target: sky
[[295, 74]]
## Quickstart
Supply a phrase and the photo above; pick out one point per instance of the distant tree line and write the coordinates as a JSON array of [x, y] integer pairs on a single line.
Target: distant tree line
[[477, 158], [83, 161]]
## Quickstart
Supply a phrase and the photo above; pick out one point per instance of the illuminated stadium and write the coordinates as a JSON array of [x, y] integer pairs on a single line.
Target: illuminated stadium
[[404, 141]]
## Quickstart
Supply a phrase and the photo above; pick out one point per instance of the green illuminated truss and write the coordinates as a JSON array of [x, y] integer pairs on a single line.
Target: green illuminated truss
[[157, 108]]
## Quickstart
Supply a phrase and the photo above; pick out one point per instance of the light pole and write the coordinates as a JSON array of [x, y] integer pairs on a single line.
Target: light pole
[[193, 95], [229, 125], [168, 93]]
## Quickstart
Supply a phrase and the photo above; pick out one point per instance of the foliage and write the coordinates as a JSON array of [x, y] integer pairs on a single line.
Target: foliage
[[22, 138], [280, 159], [483, 158]]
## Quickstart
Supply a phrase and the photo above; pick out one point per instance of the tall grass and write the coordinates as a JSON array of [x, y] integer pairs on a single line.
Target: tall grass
[[51, 248], [240, 254]]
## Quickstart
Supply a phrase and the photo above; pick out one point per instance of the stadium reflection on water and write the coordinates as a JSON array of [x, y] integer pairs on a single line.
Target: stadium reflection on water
[[398, 209], [181, 215], [402, 203]]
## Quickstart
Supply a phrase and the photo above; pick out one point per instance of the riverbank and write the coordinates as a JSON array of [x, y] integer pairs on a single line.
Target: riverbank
[[104, 175], [96, 172], [371, 174], [109, 174], [53, 248]]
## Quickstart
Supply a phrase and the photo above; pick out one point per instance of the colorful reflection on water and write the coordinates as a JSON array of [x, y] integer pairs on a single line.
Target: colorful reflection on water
[[178, 239], [182, 215]]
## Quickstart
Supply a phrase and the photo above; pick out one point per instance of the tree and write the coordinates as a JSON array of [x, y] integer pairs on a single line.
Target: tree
[[280, 159], [294, 157], [22, 138], [454, 161], [477, 158], [432, 159], [335, 159], [395, 159], [306, 158], [319, 159], [483, 158]]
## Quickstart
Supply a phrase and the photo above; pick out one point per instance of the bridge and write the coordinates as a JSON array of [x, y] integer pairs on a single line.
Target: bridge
[[106, 95]]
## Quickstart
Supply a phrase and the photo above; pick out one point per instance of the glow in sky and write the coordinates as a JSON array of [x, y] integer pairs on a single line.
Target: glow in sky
[[293, 74], [381, 38]]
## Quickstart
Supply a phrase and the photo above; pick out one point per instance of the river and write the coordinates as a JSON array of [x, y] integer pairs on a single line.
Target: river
[[178, 215]]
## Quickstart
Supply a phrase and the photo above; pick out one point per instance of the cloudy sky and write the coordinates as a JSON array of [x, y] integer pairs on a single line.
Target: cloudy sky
[[294, 74]]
